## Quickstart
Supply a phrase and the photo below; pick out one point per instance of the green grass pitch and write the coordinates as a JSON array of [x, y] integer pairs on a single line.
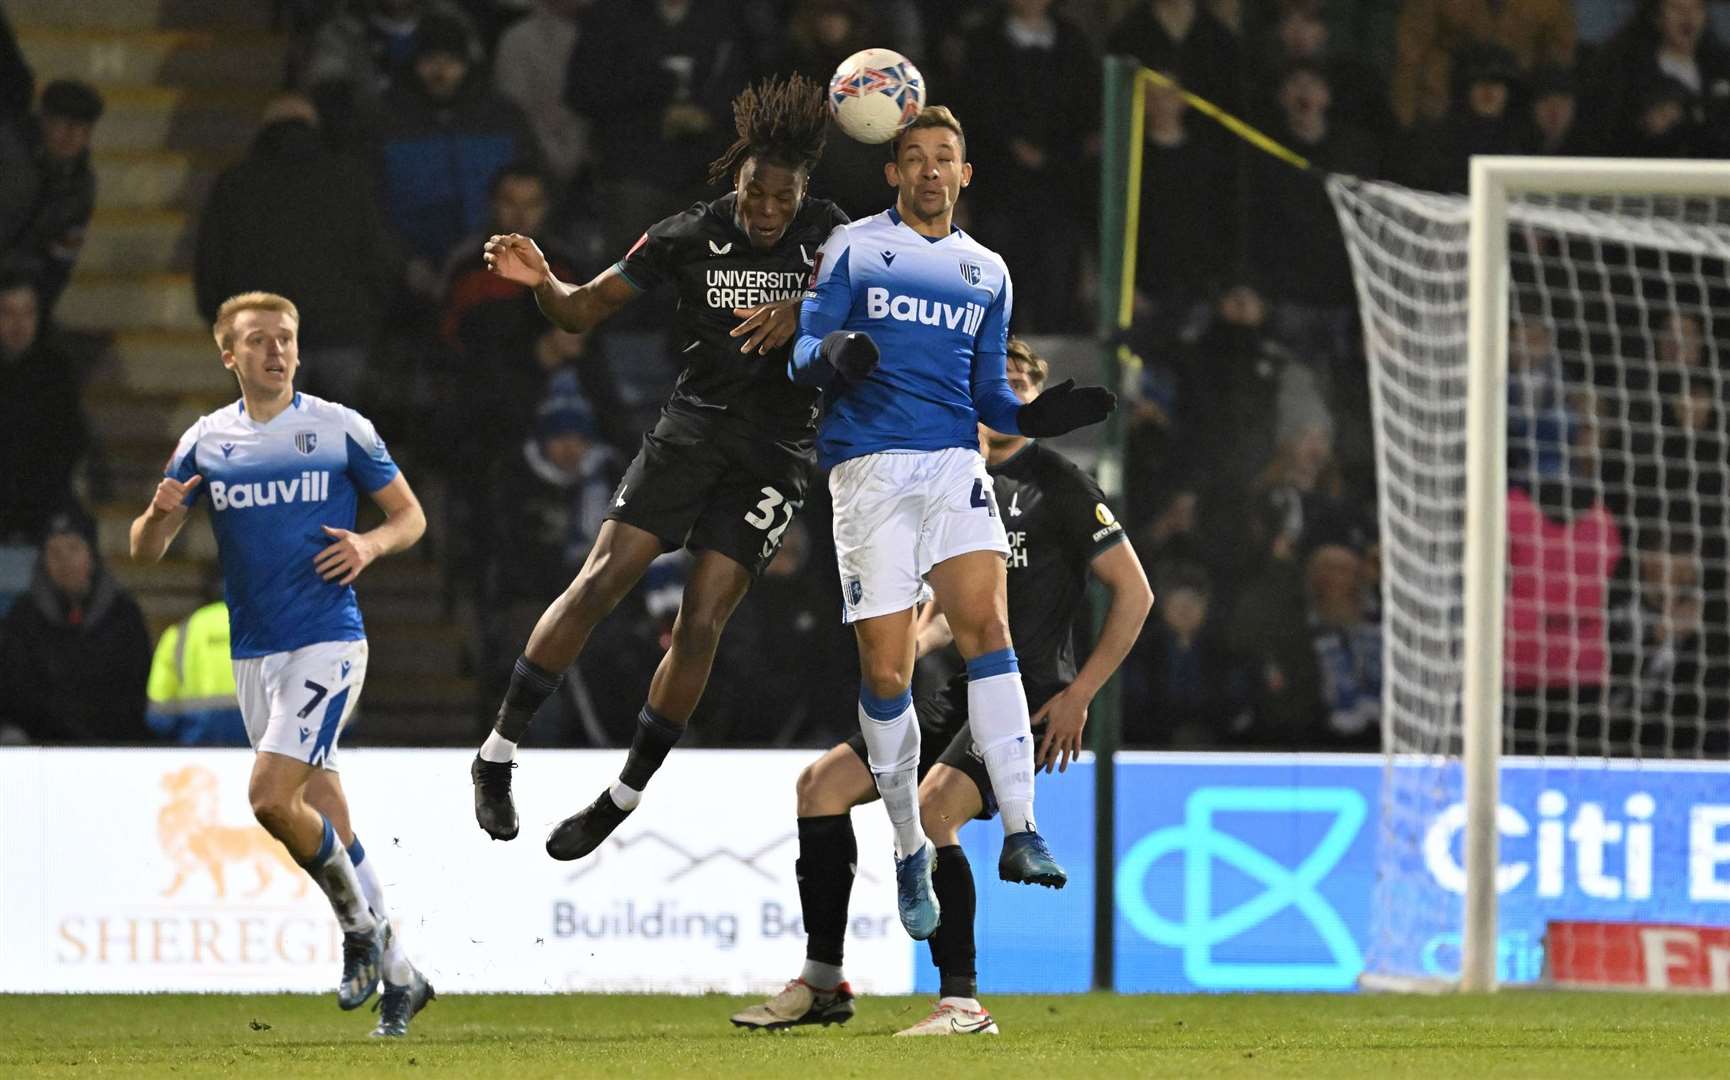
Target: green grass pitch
[[1518, 1034]]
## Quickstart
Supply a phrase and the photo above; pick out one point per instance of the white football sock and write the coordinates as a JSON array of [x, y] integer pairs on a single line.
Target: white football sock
[[498, 749], [396, 966], [892, 750], [821, 976], [997, 719], [334, 873], [625, 797]]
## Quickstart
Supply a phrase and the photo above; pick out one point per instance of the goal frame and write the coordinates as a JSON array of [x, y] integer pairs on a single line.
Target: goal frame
[[1494, 180]]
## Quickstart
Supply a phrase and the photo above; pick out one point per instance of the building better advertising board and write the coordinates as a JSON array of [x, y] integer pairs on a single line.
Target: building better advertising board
[[132, 870]]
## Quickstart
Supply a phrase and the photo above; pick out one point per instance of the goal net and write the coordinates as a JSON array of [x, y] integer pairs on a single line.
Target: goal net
[[1603, 495]]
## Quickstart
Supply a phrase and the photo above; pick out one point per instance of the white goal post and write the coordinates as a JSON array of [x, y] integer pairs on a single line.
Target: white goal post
[[1433, 276]]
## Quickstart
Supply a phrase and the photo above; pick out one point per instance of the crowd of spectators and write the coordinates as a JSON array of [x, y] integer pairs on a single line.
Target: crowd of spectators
[[408, 130]]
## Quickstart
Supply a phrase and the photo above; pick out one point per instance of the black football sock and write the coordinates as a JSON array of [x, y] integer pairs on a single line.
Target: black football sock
[[655, 737], [828, 854], [531, 684], [952, 945]]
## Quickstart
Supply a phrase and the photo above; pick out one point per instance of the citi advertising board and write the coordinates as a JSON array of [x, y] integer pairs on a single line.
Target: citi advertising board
[[1258, 871], [142, 870]]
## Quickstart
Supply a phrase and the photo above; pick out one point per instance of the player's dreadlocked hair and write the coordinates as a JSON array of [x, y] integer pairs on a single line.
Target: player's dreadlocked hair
[[780, 121]]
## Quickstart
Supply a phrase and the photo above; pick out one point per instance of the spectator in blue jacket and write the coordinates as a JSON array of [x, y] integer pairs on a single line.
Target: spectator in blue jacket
[[443, 138]]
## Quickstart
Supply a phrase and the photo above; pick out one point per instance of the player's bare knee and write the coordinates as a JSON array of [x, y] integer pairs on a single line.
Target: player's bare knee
[[886, 676], [986, 636], [808, 790], [698, 631], [939, 824], [273, 809]]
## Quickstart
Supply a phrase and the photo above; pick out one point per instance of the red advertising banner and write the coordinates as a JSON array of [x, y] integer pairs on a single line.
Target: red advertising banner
[[1638, 956]]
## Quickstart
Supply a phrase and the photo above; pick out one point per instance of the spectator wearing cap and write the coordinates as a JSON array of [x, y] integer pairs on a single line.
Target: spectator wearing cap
[[43, 432], [361, 53], [47, 188], [1433, 34], [74, 653], [1481, 122], [1553, 110], [1662, 83], [297, 219], [444, 137]]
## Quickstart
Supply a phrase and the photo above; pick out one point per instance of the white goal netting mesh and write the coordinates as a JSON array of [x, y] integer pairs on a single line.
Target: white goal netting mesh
[[1616, 664]]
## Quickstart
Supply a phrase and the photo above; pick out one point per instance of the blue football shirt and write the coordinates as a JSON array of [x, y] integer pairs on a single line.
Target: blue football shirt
[[939, 313], [270, 488]]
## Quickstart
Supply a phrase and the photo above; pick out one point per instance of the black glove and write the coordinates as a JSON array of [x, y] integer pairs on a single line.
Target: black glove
[[1065, 407], [850, 352]]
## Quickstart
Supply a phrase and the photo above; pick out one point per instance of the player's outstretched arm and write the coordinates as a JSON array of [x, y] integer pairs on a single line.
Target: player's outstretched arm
[[350, 552], [156, 528], [577, 308], [1063, 408], [1065, 714]]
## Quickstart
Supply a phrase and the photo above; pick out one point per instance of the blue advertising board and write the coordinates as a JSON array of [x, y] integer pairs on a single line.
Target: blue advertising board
[[1259, 871]]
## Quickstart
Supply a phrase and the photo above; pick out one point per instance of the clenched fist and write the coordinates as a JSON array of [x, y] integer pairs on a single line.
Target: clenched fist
[[171, 496]]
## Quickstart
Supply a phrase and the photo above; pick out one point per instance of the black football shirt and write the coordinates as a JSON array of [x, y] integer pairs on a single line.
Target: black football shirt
[[709, 261], [1058, 523]]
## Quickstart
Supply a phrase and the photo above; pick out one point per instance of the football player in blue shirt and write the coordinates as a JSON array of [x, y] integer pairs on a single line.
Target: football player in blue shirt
[[282, 472], [907, 330]]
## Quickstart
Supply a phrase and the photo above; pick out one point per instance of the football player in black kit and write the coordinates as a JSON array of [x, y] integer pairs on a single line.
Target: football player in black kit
[[1059, 529], [724, 470]]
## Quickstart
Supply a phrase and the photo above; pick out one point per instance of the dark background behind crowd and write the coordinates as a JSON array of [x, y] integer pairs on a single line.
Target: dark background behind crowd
[[397, 134]]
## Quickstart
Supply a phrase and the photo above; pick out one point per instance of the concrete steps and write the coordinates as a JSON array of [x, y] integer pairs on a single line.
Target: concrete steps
[[184, 82], [186, 58], [155, 179], [170, 361], [146, 15], [178, 118], [127, 419], [138, 241], [98, 302]]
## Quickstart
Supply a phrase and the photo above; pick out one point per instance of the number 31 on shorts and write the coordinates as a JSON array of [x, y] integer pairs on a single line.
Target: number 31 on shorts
[[763, 516]]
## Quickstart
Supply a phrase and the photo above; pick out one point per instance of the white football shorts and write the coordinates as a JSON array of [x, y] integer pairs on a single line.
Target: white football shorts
[[898, 514], [297, 703]]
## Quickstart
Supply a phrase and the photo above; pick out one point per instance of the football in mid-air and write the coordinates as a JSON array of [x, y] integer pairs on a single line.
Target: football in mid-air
[[875, 93]]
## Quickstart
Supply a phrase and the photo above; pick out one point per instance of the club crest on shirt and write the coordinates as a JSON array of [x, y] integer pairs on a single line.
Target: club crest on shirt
[[306, 441], [971, 273]]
